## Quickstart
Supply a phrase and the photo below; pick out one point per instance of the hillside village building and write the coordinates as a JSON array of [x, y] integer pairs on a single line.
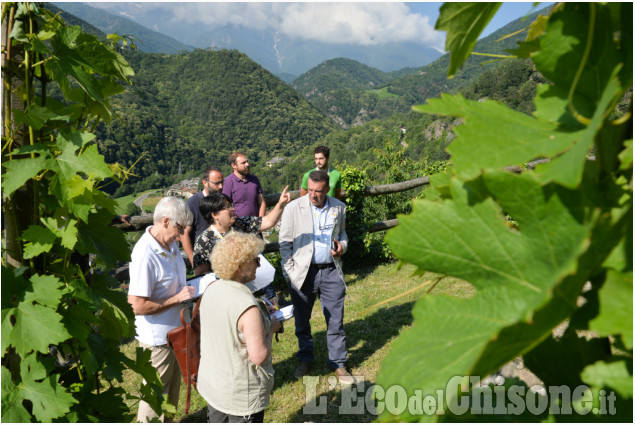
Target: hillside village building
[[184, 189]]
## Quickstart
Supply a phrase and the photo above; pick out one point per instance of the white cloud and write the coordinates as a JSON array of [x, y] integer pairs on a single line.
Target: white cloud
[[352, 23], [358, 23]]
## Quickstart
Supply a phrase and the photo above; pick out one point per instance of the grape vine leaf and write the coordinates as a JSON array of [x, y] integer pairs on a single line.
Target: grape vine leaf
[[39, 239], [36, 117], [616, 307], [107, 406], [515, 273], [49, 400], [463, 22], [512, 137], [12, 409], [32, 369], [567, 169], [90, 163], [47, 290], [563, 48], [36, 328], [19, 171], [614, 374], [98, 236]]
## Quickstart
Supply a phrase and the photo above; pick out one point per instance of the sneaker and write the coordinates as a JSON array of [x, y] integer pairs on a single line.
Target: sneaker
[[303, 369], [345, 377]]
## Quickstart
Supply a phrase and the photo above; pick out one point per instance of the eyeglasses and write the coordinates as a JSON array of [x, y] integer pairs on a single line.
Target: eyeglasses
[[257, 260], [180, 227], [215, 183], [228, 207]]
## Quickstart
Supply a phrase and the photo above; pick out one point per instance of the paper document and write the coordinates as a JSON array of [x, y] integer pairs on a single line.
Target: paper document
[[264, 275], [285, 313], [201, 283]]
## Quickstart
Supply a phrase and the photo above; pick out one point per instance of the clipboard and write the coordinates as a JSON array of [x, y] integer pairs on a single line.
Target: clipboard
[[200, 283]]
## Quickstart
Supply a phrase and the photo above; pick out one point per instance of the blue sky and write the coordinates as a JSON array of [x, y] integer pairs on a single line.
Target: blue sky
[[507, 12]]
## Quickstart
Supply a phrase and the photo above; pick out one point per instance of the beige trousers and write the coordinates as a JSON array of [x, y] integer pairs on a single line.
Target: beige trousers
[[164, 360]]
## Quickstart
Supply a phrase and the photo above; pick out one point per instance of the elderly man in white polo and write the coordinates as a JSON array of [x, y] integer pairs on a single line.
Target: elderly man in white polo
[[157, 289]]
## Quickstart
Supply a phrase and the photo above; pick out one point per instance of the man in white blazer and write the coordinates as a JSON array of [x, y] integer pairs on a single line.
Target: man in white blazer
[[312, 240]]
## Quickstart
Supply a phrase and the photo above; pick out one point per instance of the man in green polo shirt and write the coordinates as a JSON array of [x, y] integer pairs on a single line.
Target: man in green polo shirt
[[321, 155]]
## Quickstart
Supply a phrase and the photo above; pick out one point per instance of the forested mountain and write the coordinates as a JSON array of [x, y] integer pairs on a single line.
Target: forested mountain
[[431, 80], [345, 91], [193, 109], [339, 74], [421, 136], [333, 88], [146, 39]]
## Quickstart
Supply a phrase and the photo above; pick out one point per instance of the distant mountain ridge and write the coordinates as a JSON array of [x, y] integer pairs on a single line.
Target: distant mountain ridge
[[277, 53], [147, 40]]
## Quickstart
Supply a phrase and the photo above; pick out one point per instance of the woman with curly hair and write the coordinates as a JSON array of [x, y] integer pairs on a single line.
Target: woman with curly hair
[[236, 371]]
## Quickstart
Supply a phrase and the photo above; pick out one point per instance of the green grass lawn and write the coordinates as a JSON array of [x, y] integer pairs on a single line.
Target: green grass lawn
[[150, 203], [123, 202], [370, 334]]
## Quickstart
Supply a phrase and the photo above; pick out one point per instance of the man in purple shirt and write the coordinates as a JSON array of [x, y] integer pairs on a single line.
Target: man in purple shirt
[[244, 188]]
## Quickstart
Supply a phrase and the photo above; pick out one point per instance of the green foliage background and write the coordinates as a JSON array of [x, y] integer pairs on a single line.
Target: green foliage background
[[574, 224]]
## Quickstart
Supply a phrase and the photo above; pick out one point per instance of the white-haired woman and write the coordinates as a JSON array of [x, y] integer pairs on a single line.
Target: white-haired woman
[[236, 372], [157, 289]]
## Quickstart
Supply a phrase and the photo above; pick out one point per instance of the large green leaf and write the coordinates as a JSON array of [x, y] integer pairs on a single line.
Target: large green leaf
[[19, 171], [39, 239], [463, 23], [98, 236], [49, 400], [563, 48], [512, 137], [36, 117], [47, 290], [514, 272], [36, 328], [616, 307], [89, 162], [12, 409], [617, 375], [567, 169]]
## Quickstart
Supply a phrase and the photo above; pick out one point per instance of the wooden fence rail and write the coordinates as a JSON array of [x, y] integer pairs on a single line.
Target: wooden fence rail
[[139, 223]]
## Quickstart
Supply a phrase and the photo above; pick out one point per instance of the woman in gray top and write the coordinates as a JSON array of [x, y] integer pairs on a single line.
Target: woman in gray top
[[236, 372]]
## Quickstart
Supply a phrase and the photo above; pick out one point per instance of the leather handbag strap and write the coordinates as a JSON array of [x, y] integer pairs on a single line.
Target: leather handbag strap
[[188, 330]]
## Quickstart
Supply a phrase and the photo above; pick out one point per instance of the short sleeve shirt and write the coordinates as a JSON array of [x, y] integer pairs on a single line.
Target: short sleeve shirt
[[335, 181], [243, 194], [207, 240], [156, 274]]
